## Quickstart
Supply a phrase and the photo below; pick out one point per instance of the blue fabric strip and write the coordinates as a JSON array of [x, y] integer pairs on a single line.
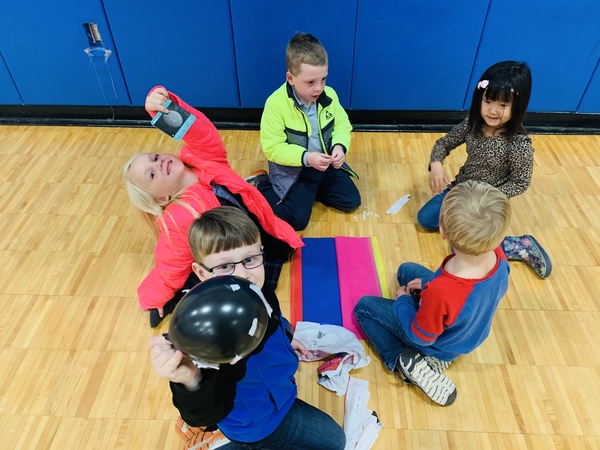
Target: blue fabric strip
[[320, 284]]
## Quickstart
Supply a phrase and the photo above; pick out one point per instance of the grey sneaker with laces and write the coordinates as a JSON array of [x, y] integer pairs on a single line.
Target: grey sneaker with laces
[[437, 386]]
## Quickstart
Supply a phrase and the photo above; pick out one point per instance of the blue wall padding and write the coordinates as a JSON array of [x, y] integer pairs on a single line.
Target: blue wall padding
[[9, 95], [591, 99], [383, 55], [43, 47], [262, 30], [186, 45], [415, 55], [556, 40]]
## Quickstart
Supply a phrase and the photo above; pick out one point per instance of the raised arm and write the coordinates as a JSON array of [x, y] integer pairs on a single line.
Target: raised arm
[[202, 140]]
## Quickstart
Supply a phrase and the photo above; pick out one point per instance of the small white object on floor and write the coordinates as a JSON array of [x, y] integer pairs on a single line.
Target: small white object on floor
[[366, 213], [361, 425], [398, 205]]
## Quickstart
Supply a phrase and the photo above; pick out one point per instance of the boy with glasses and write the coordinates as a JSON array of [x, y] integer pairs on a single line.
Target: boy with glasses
[[253, 402]]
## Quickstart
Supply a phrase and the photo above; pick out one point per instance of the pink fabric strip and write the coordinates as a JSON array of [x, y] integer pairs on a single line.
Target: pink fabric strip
[[357, 273]]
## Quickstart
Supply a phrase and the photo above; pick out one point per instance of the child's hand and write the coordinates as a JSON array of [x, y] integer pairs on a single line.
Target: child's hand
[[415, 285], [337, 157], [170, 364], [402, 290], [437, 178], [301, 349], [412, 287], [319, 161], [156, 100]]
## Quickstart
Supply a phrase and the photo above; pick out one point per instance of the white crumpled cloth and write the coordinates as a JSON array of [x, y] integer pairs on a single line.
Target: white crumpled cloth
[[325, 340], [361, 425]]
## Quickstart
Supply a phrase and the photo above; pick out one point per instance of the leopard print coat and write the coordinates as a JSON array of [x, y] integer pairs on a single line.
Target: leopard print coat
[[507, 165]]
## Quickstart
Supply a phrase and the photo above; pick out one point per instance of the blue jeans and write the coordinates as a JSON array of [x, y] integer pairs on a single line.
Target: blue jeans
[[380, 323], [409, 271], [303, 427], [429, 215]]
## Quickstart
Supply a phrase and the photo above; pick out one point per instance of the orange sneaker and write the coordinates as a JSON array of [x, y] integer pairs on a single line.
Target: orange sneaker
[[198, 438], [252, 179]]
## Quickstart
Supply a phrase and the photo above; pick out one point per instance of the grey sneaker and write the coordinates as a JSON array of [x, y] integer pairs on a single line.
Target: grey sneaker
[[437, 365], [437, 386]]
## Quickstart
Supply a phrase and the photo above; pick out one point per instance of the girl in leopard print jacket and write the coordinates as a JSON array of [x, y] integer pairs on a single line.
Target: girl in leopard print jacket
[[499, 152]]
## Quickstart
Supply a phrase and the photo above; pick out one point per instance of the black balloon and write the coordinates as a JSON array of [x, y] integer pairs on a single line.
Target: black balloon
[[220, 320]]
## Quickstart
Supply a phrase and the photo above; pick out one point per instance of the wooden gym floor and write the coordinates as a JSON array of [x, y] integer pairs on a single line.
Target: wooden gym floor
[[75, 370]]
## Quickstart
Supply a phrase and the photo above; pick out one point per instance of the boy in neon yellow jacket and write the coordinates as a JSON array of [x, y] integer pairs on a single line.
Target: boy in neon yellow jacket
[[305, 134]]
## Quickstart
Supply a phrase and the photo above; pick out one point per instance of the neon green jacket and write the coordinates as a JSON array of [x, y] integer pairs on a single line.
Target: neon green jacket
[[285, 130]]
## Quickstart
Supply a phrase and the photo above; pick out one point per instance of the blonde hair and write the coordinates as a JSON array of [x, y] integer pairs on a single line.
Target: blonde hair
[[140, 198], [221, 229], [474, 217], [304, 48], [148, 207]]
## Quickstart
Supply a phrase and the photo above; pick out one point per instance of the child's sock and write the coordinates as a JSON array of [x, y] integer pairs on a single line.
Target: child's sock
[[527, 249]]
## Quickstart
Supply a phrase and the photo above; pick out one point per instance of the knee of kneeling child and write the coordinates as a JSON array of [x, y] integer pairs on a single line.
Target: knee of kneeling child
[[298, 223], [426, 223]]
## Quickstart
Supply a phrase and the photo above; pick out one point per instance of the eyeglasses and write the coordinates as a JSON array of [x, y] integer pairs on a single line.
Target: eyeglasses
[[251, 262]]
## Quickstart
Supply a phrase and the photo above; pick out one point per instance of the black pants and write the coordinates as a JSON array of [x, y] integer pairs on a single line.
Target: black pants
[[277, 253], [333, 188]]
